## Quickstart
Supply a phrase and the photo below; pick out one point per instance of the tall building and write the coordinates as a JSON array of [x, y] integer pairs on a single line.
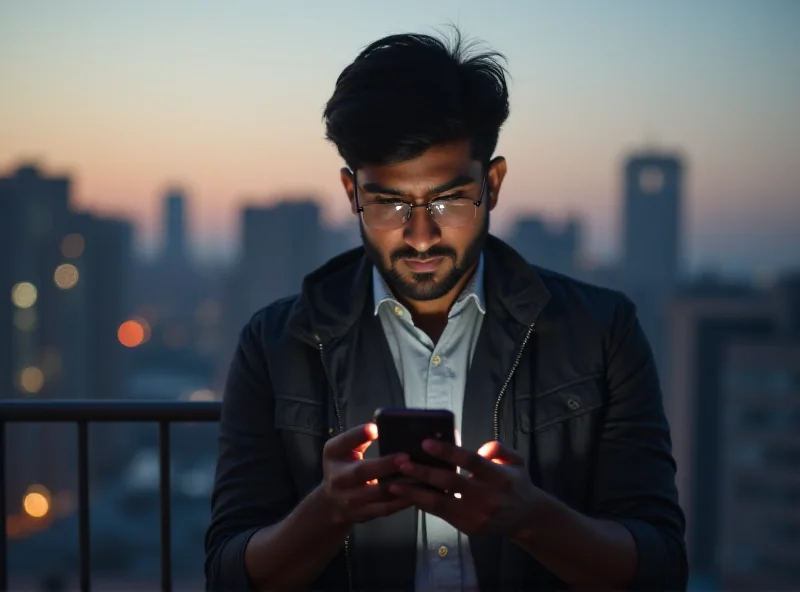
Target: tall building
[[653, 187], [175, 236], [63, 281], [759, 535], [557, 249], [653, 205], [280, 245], [720, 338]]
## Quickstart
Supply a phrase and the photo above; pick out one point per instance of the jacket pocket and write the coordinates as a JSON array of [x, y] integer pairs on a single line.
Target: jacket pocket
[[562, 403], [299, 413]]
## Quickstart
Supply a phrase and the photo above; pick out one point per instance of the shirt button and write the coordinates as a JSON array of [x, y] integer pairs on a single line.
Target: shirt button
[[442, 551], [436, 360], [398, 311]]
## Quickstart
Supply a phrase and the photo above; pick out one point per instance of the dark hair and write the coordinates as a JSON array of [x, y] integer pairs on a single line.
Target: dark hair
[[406, 93]]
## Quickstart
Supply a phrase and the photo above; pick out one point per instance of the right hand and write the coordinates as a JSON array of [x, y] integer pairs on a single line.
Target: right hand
[[351, 482]]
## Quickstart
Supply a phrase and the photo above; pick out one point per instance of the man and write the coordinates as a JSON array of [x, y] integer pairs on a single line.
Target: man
[[568, 477]]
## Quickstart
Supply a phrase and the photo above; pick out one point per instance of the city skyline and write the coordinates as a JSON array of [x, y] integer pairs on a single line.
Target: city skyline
[[131, 100]]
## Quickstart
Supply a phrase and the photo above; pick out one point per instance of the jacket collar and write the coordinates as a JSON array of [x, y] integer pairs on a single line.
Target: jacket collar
[[333, 297], [473, 292]]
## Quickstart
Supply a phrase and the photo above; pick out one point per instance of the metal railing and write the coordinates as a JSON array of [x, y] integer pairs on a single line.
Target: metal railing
[[82, 413]]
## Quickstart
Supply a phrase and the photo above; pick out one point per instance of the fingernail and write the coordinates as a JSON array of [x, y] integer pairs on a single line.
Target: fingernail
[[407, 467], [401, 459]]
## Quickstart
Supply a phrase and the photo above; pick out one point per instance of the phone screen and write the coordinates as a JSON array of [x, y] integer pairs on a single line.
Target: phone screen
[[404, 430]]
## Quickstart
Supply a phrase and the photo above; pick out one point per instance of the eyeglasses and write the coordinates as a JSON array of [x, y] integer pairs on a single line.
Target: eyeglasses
[[447, 212]]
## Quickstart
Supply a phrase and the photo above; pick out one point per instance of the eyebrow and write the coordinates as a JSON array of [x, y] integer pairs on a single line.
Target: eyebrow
[[459, 181]]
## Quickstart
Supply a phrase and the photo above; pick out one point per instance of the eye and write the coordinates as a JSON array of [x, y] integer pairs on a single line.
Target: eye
[[387, 200], [450, 197]]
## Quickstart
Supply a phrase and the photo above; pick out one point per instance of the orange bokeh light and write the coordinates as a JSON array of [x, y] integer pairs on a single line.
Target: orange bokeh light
[[131, 333]]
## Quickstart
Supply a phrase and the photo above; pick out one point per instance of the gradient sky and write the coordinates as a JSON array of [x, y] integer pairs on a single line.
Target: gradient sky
[[225, 99]]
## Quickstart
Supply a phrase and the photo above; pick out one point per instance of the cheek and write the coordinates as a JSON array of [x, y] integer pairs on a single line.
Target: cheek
[[459, 239], [383, 242]]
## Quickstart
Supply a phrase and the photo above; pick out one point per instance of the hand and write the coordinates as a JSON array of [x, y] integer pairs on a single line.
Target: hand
[[351, 482], [497, 498]]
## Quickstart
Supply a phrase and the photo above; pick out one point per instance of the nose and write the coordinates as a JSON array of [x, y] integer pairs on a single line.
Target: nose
[[421, 232]]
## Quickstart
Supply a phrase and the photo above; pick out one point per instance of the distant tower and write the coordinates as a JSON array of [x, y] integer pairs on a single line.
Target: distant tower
[[652, 221], [174, 229]]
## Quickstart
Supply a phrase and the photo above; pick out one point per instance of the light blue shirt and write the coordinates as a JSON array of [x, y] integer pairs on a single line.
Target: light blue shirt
[[434, 376]]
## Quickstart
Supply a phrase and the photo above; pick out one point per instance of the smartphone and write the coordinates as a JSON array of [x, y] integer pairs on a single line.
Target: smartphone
[[404, 430]]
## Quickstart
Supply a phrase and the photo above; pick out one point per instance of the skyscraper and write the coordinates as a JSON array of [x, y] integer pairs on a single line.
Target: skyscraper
[[174, 226], [704, 322], [652, 230], [557, 249], [62, 291], [653, 203]]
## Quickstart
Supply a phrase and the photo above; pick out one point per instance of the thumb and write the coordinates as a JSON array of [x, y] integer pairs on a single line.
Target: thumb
[[497, 453], [355, 439]]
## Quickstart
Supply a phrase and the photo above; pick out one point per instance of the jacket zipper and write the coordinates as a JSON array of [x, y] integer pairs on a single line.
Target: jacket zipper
[[501, 394], [340, 427]]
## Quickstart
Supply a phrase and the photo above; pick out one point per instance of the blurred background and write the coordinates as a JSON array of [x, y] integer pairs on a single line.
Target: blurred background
[[163, 175]]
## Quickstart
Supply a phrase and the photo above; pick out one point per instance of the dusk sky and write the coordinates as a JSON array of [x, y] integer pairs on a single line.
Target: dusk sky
[[225, 99]]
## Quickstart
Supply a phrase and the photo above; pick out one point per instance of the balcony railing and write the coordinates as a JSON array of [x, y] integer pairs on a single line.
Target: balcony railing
[[82, 413]]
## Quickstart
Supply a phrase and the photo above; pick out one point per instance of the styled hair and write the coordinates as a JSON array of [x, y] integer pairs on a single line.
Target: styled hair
[[405, 93]]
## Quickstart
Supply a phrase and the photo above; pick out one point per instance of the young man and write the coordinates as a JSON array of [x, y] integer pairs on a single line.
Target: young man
[[568, 475]]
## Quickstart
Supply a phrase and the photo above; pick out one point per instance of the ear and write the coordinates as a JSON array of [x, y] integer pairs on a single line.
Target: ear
[[495, 176], [349, 184]]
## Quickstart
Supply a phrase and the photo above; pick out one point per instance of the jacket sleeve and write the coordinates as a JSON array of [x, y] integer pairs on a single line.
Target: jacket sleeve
[[253, 486], [635, 472]]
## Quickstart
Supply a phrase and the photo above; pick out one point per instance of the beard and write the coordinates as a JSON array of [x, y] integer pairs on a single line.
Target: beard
[[422, 287]]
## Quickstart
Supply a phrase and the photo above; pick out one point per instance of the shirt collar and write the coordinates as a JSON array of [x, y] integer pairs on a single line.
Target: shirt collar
[[472, 292]]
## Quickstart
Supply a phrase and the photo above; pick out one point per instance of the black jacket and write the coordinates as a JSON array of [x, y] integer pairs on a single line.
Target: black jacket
[[562, 372]]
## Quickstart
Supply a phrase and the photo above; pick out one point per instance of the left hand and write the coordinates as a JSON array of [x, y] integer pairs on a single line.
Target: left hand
[[496, 498]]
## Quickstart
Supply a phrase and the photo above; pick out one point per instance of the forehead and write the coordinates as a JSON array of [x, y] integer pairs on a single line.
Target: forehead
[[438, 165]]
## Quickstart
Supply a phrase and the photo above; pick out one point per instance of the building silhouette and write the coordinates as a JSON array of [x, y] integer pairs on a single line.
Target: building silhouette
[[759, 533], [557, 249], [652, 230], [174, 231], [730, 347], [64, 285], [652, 221]]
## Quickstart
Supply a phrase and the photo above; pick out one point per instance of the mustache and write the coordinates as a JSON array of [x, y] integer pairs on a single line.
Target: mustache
[[432, 253]]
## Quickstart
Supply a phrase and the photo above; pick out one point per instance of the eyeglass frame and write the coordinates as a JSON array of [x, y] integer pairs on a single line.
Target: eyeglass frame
[[428, 205]]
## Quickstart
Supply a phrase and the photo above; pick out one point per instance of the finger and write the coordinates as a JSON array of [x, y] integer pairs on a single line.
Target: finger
[[367, 470], [439, 504], [449, 481], [355, 439], [497, 453], [470, 461]]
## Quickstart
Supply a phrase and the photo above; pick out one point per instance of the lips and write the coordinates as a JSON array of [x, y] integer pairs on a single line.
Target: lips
[[424, 265]]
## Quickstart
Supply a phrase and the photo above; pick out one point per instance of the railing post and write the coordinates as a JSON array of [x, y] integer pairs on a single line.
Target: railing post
[[3, 526], [83, 505], [83, 412], [165, 494]]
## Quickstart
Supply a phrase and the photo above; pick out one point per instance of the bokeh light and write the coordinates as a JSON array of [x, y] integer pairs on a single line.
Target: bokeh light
[[24, 295], [133, 333], [31, 380], [72, 246], [36, 501], [66, 276]]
